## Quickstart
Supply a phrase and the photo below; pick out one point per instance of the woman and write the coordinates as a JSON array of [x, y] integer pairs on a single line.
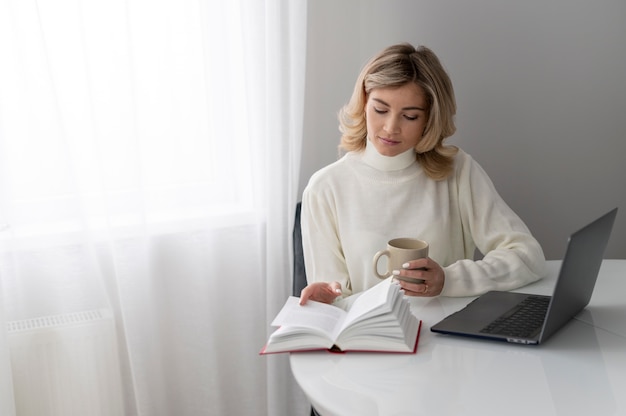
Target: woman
[[399, 179]]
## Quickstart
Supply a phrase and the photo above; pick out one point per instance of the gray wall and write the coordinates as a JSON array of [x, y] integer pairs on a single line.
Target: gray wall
[[541, 94]]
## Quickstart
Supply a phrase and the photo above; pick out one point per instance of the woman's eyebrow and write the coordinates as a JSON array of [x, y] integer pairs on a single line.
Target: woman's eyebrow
[[405, 108]]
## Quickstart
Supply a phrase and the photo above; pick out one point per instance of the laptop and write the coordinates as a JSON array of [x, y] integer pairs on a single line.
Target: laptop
[[531, 319]]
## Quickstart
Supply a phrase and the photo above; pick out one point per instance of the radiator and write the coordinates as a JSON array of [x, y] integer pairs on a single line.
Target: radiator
[[66, 365]]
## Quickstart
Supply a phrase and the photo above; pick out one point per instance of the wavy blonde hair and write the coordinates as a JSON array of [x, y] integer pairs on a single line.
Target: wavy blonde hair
[[396, 66]]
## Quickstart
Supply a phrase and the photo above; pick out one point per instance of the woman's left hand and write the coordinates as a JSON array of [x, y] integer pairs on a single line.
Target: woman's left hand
[[425, 269]]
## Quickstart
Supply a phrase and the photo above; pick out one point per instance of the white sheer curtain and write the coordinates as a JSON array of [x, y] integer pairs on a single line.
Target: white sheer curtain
[[149, 159]]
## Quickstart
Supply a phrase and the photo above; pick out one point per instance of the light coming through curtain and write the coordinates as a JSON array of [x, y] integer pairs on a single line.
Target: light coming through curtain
[[149, 159]]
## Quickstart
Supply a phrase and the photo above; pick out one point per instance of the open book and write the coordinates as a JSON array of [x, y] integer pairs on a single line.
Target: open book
[[377, 320]]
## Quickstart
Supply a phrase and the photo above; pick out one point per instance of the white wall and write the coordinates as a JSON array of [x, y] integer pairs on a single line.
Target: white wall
[[541, 94]]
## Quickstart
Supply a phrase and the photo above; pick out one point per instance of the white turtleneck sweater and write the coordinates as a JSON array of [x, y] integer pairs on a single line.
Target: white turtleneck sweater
[[351, 208]]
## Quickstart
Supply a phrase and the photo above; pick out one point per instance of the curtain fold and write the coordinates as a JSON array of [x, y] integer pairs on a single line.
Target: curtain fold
[[149, 159]]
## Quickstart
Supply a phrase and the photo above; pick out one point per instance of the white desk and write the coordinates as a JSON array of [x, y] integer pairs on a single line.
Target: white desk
[[580, 370]]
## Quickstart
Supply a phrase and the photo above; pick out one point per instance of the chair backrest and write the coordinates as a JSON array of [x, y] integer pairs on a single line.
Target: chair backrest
[[299, 272]]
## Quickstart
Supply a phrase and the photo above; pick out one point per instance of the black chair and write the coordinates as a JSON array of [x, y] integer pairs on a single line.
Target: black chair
[[299, 271]]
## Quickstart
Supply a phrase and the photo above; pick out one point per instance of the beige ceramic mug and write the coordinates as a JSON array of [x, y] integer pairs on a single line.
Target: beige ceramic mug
[[398, 252]]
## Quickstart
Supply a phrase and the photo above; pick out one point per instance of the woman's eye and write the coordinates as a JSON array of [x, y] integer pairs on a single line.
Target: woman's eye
[[379, 110], [411, 118]]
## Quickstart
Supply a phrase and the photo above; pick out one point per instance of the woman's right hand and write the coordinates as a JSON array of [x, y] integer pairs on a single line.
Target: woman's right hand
[[321, 292]]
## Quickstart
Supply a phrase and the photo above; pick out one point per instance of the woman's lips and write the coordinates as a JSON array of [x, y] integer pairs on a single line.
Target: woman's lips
[[387, 140]]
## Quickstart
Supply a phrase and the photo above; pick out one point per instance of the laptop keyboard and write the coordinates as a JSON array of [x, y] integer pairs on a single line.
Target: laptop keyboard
[[522, 321]]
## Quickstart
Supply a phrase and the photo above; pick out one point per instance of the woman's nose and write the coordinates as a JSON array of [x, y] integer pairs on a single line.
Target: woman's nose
[[391, 125]]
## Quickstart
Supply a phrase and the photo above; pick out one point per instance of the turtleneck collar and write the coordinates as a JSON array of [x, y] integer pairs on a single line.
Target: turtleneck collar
[[387, 163]]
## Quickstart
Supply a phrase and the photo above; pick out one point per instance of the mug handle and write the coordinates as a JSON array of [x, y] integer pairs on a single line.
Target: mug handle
[[377, 256]]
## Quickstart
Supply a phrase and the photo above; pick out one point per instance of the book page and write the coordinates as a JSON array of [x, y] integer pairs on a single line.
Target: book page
[[370, 300], [380, 320], [313, 314]]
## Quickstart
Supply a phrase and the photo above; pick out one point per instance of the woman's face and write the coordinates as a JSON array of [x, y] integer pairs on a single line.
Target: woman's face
[[396, 118]]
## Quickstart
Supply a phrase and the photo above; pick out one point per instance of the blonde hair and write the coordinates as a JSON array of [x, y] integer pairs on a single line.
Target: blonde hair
[[396, 66]]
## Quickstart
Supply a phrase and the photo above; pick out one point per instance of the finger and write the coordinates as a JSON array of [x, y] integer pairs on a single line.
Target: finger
[[408, 279], [422, 264], [336, 288], [305, 295], [411, 275], [418, 288], [328, 293], [320, 292]]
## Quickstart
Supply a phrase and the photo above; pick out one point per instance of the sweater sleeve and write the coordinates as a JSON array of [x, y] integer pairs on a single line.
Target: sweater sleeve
[[512, 256], [323, 255]]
